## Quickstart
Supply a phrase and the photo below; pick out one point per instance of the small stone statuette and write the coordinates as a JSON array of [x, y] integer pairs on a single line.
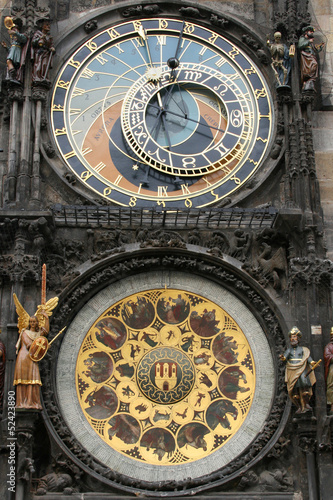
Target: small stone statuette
[[300, 375]]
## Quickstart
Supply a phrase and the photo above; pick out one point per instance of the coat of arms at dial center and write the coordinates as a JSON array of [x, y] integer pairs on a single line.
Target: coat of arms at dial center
[[165, 375]]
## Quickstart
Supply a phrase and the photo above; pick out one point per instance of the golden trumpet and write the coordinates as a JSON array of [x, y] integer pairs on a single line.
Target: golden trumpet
[[9, 23]]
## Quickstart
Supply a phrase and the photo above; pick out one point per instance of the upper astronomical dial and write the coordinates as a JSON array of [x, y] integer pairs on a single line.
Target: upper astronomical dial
[[161, 111]]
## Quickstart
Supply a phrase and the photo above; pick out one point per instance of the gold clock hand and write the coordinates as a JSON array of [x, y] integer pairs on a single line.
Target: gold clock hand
[[143, 35]]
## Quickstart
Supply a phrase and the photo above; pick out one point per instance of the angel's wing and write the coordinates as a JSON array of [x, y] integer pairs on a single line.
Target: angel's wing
[[23, 316], [48, 308]]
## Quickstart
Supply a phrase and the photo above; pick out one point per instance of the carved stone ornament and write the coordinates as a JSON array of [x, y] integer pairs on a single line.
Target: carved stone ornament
[[114, 270], [310, 271], [141, 10]]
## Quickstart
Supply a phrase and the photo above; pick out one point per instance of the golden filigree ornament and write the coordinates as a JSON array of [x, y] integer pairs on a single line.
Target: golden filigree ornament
[[165, 377]]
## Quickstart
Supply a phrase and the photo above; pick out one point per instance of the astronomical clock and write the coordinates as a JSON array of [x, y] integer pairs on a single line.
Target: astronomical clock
[[161, 112], [164, 377]]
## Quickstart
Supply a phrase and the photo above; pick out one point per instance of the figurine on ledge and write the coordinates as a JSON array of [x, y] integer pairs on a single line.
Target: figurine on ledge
[[300, 375], [309, 60], [42, 51], [328, 360], [281, 62], [30, 348], [16, 52]]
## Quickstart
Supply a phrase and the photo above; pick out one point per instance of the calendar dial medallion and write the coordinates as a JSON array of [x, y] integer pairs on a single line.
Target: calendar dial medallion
[[161, 112]]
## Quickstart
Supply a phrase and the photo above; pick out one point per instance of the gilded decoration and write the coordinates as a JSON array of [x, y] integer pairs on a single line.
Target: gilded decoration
[[165, 376]]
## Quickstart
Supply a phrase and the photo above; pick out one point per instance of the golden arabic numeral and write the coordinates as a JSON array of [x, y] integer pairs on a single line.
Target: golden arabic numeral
[[113, 33], [60, 131], [260, 93], [161, 202], [75, 64], [236, 180], [215, 195], [189, 28], [57, 107], [63, 85], [107, 191], [163, 24], [261, 139], [250, 71], [136, 25], [233, 53], [92, 46], [86, 175], [69, 155], [255, 163], [132, 202], [213, 38], [162, 191], [188, 203]]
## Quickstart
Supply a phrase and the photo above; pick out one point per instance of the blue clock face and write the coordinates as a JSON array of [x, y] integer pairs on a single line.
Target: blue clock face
[[161, 112]]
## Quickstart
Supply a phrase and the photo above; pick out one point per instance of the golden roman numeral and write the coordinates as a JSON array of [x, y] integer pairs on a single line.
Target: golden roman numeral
[[69, 155], [87, 73]]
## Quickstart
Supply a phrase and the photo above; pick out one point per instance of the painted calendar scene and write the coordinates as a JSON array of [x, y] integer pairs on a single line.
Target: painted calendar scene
[[165, 376]]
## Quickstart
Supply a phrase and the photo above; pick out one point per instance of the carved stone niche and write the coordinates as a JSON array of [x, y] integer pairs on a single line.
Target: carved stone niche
[[153, 304]]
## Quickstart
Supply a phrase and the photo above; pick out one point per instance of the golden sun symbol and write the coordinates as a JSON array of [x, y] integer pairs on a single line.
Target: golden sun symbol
[[153, 74]]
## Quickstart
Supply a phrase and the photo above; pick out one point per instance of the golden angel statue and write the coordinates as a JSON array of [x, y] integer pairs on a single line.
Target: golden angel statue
[[30, 348]]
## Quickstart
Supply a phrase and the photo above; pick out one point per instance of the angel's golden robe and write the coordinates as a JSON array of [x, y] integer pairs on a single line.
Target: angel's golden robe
[[26, 375]]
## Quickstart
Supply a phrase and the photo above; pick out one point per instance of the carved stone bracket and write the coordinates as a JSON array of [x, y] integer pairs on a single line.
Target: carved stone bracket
[[40, 91]]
